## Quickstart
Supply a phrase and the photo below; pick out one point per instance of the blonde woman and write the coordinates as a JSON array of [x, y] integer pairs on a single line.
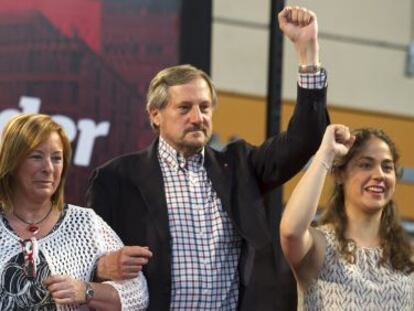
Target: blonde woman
[[49, 249]]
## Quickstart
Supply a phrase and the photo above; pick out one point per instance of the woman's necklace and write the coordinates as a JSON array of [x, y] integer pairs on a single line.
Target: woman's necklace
[[33, 226]]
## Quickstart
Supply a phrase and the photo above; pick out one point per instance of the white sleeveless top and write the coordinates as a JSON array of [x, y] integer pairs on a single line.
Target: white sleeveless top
[[360, 286]]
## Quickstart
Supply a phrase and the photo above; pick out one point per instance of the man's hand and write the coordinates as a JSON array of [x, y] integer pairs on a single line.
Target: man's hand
[[65, 290], [301, 27], [124, 263]]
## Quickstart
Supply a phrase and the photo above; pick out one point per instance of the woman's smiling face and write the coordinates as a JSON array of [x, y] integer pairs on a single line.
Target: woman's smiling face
[[38, 176], [370, 177]]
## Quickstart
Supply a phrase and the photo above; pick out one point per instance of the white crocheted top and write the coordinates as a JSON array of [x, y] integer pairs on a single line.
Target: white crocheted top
[[363, 286], [72, 249]]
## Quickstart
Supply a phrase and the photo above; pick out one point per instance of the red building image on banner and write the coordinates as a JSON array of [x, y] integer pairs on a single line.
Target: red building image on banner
[[88, 64]]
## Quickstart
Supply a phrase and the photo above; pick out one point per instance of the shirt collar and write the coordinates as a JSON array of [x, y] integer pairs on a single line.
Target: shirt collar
[[176, 160]]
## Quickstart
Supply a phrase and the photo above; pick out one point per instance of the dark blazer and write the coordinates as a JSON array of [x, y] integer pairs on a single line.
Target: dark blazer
[[128, 192]]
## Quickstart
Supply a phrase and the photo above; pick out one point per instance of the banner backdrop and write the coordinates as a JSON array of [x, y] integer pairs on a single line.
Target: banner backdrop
[[87, 63]]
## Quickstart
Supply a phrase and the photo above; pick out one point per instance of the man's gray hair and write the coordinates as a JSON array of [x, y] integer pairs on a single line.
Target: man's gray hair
[[158, 95]]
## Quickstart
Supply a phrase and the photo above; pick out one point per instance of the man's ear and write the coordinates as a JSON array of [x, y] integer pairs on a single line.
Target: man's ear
[[155, 116]]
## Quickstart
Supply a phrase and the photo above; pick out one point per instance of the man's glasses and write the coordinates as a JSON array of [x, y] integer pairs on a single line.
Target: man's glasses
[[29, 250]]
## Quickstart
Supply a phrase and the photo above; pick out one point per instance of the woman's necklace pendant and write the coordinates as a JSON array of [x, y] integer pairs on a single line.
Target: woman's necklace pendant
[[33, 229]]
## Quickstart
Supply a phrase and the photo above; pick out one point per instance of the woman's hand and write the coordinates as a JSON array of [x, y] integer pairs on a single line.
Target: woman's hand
[[66, 290], [335, 142]]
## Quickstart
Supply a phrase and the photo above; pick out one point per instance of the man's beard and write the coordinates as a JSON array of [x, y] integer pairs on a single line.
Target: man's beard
[[191, 146], [196, 128]]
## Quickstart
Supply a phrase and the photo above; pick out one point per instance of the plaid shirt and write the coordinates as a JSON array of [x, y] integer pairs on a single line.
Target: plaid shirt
[[313, 80], [205, 245]]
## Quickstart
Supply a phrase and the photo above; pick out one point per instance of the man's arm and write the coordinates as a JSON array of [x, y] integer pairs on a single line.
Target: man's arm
[[102, 190], [282, 156], [123, 263], [133, 292]]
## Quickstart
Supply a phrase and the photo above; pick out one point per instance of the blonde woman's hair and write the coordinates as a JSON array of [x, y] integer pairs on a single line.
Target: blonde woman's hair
[[21, 135]]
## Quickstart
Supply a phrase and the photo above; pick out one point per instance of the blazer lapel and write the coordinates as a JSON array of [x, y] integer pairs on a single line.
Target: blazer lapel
[[147, 176], [219, 170], [148, 179]]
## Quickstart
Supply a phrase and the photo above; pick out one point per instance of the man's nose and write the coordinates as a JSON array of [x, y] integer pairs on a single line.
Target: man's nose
[[195, 115]]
